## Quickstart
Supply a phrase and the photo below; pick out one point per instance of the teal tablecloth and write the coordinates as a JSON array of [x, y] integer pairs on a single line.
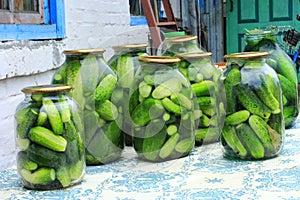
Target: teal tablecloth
[[204, 174]]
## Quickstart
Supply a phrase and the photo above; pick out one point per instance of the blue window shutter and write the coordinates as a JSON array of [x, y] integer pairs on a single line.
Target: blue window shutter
[[53, 27]]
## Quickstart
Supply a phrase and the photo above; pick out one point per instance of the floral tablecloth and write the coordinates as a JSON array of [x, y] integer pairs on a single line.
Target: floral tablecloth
[[204, 174]]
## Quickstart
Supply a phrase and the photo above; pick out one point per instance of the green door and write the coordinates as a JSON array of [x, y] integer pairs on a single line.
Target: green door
[[250, 14]]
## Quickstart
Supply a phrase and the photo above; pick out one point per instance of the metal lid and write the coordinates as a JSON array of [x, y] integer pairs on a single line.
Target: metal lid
[[247, 55], [159, 59], [47, 88], [130, 46], [184, 38], [83, 51], [194, 55]]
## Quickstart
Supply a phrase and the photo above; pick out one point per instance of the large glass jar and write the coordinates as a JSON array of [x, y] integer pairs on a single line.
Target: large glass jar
[[172, 46], [209, 112], [266, 40], [161, 110], [94, 82], [125, 65], [50, 149], [254, 124]]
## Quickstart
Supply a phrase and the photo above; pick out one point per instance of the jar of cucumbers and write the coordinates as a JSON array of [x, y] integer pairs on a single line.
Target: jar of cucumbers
[[125, 65], [254, 124], [172, 46], [50, 149], [266, 40], [161, 110], [94, 82], [203, 77]]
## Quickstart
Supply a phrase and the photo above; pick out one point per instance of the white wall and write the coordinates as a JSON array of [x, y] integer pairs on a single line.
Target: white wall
[[89, 24]]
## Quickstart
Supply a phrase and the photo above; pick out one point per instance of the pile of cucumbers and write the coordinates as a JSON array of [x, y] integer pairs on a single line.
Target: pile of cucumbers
[[49, 137], [210, 111], [253, 127], [161, 110], [125, 65], [266, 40], [93, 83]]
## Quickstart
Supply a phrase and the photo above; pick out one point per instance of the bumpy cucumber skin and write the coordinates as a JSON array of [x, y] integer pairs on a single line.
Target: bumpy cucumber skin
[[266, 96], [237, 117], [25, 118], [47, 138], [152, 145], [260, 128], [251, 141], [53, 116], [140, 114], [105, 88], [231, 139], [251, 102], [203, 88]]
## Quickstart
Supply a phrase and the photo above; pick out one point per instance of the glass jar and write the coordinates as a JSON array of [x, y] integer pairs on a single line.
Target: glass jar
[[172, 46], [50, 149], [209, 112], [94, 82], [266, 40], [161, 110], [125, 65], [254, 124]]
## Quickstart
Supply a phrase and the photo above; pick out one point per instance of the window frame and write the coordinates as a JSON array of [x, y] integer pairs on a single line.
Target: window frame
[[53, 26]]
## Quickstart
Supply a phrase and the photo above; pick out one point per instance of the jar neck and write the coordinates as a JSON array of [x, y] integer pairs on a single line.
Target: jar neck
[[70, 57], [151, 68], [38, 96], [241, 62], [269, 36]]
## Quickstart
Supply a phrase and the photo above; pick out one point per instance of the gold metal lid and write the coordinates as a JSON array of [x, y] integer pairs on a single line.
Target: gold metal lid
[[194, 55], [246, 55], [47, 88], [83, 51], [130, 46], [184, 38], [159, 59]]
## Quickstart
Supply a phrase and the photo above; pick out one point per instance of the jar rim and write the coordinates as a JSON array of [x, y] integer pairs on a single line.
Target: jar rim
[[83, 51], [159, 59], [183, 38], [247, 55], [130, 46], [194, 55], [46, 88]]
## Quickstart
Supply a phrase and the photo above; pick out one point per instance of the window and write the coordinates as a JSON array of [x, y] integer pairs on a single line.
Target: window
[[21, 12], [31, 19]]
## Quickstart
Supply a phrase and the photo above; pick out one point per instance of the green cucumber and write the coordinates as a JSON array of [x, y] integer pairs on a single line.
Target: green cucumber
[[229, 134], [237, 117], [42, 176], [105, 88], [185, 146], [260, 128], [251, 102], [53, 116], [47, 138], [250, 140], [169, 146]]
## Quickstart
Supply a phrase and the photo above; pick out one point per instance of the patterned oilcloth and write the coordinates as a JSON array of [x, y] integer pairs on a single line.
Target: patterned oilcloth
[[204, 174]]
